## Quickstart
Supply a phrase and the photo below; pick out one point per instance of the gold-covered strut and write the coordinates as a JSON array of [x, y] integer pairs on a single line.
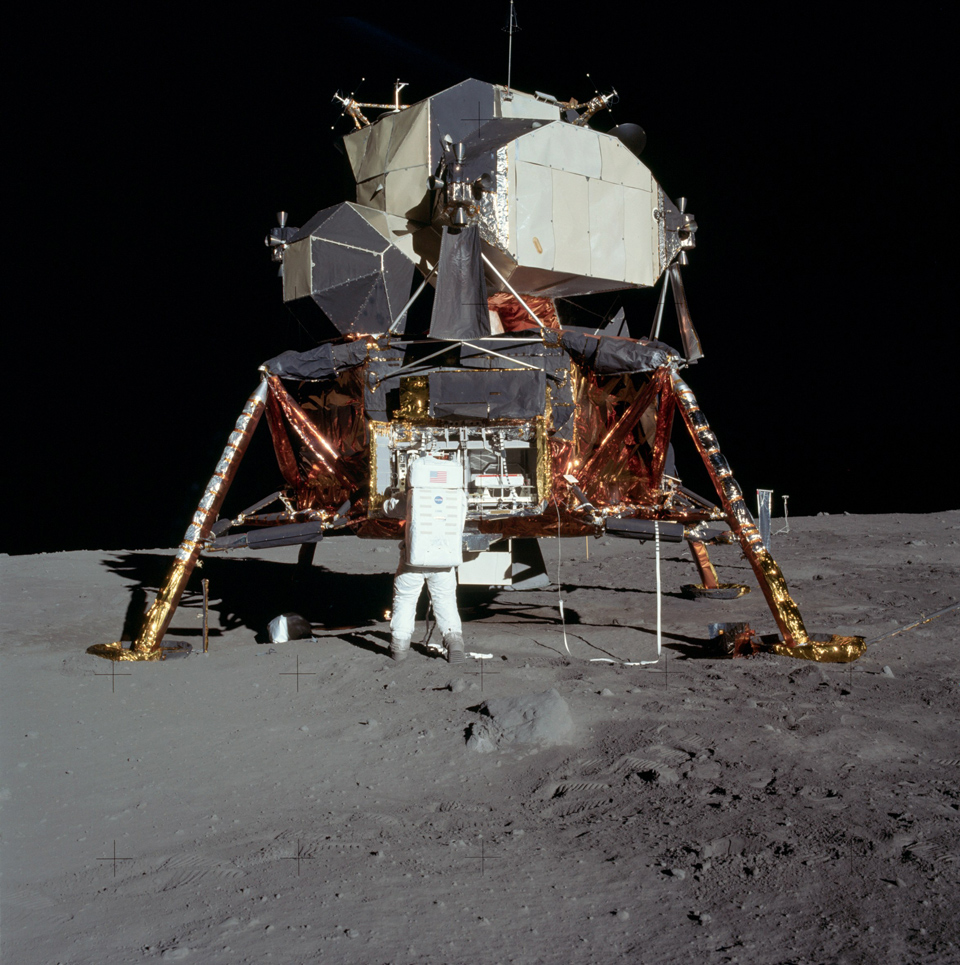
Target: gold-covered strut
[[771, 580], [544, 461], [704, 565], [826, 649], [117, 651], [377, 430], [158, 617]]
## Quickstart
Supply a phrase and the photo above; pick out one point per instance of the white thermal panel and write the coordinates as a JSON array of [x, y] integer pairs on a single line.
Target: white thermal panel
[[408, 144], [619, 165], [562, 146], [486, 569], [525, 105], [606, 230], [639, 234], [355, 144], [375, 156], [571, 223], [534, 208]]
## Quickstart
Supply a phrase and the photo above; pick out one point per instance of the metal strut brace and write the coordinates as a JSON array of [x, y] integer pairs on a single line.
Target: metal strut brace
[[774, 586], [158, 617], [706, 569]]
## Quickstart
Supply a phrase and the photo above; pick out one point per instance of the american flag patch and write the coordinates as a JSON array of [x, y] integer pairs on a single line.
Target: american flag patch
[[438, 476]]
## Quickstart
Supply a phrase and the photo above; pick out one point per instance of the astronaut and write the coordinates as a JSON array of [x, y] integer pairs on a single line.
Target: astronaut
[[434, 506]]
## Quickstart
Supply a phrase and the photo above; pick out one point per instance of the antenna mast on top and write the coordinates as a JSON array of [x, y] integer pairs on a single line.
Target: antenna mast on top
[[511, 29]]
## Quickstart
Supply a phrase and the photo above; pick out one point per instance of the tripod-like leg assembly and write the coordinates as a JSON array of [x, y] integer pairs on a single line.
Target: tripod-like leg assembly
[[796, 640], [771, 580], [704, 565], [158, 617]]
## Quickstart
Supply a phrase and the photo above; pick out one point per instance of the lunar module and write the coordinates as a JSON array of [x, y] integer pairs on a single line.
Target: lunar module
[[503, 206]]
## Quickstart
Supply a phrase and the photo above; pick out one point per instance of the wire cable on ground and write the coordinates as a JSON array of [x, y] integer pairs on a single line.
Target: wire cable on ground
[[917, 623]]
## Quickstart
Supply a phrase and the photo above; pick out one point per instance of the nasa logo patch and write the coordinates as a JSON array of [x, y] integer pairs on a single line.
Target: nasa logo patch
[[438, 499]]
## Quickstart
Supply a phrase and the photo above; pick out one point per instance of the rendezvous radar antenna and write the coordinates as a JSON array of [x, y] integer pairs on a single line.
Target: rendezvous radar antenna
[[352, 108], [579, 114], [511, 28]]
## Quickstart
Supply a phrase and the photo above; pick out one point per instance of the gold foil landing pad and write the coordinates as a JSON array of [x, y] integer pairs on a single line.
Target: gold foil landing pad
[[731, 591], [832, 649], [117, 651]]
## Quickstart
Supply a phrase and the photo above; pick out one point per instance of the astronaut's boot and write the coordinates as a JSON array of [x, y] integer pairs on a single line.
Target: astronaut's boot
[[454, 644], [399, 647]]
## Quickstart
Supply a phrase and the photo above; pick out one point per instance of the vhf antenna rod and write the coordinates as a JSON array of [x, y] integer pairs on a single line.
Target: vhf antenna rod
[[511, 30]]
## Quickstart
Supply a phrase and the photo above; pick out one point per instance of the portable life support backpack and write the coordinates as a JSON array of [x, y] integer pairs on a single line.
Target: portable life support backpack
[[436, 509]]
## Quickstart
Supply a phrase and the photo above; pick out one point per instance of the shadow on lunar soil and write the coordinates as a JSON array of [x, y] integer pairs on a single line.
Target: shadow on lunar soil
[[250, 592]]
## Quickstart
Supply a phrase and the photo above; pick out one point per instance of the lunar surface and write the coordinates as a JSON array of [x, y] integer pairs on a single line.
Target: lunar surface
[[313, 801]]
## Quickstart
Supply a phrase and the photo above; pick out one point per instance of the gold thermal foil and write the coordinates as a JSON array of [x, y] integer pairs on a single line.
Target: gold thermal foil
[[772, 584], [611, 469], [377, 430], [117, 651], [833, 649], [701, 558], [158, 617], [741, 589], [774, 587], [556, 521], [286, 459], [544, 461], [414, 399]]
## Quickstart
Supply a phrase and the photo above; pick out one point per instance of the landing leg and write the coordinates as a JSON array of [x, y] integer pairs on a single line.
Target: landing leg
[[774, 586], [158, 617], [305, 558], [795, 639], [706, 569], [709, 588]]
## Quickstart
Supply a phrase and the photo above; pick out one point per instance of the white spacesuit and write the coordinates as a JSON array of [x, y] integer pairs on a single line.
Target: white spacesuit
[[434, 506]]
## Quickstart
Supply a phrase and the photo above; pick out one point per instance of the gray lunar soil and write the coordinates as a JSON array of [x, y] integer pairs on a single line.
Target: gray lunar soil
[[312, 801]]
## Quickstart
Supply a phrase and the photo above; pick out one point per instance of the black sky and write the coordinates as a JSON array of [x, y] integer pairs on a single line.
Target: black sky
[[151, 157]]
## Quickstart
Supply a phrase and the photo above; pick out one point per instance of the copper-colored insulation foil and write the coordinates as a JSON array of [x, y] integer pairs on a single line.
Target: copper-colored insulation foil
[[336, 409], [604, 469], [531, 527], [706, 569], [378, 528], [515, 318], [768, 573], [664, 429], [832, 649], [282, 448], [317, 453], [621, 434], [157, 619]]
